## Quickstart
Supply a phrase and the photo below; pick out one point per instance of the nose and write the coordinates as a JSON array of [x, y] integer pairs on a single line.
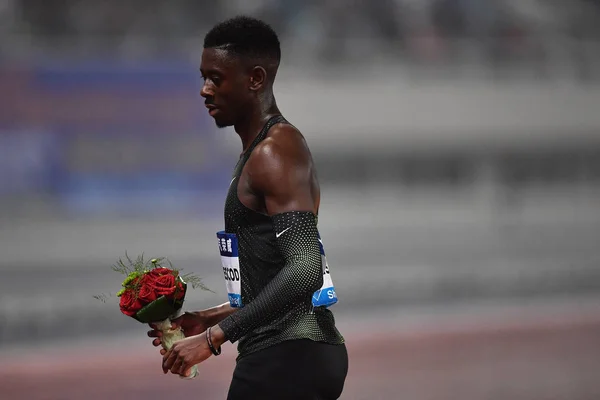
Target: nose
[[206, 91]]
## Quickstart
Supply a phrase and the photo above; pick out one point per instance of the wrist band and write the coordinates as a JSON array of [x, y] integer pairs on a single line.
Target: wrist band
[[216, 352]]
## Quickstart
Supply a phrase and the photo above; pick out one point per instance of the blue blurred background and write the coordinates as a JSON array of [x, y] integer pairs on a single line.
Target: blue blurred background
[[457, 143]]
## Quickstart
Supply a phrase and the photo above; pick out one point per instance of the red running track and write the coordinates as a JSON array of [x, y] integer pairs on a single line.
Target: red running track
[[551, 359]]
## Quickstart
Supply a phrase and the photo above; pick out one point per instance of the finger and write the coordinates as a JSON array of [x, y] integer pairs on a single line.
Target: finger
[[164, 360], [183, 368], [186, 368], [168, 360], [163, 351], [155, 333], [156, 342], [176, 368], [176, 323]]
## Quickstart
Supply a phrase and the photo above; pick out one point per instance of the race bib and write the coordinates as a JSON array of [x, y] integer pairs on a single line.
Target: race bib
[[228, 246], [325, 296]]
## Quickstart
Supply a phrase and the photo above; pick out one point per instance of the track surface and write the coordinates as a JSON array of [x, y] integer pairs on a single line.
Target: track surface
[[551, 357]]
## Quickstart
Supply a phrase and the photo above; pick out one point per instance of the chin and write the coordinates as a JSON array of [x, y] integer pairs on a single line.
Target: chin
[[223, 123]]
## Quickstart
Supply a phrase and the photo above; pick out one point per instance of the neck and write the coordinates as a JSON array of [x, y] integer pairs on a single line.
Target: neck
[[249, 127]]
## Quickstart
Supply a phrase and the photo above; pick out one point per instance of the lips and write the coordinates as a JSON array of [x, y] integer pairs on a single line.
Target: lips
[[212, 109]]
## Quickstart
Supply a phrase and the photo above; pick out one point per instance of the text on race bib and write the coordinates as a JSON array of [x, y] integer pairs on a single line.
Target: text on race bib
[[228, 247]]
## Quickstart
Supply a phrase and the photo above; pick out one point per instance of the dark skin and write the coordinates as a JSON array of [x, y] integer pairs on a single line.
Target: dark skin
[[278, 177]]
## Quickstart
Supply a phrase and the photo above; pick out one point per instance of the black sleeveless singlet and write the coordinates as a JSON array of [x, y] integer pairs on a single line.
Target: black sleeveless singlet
[[260, 260]]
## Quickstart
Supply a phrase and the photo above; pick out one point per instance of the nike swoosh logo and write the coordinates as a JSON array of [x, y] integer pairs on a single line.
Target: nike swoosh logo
[[282, 232]]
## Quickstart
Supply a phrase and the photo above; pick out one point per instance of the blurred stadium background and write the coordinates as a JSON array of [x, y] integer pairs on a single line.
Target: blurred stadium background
[[458, 146]]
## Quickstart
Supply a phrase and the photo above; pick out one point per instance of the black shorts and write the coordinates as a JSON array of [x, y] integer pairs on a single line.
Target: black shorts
[[292, 370]]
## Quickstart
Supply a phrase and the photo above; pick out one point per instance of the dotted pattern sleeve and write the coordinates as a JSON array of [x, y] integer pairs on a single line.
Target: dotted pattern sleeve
[[301, 275]]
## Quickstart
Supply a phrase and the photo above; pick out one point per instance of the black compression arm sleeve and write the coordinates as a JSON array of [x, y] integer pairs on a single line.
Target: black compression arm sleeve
[[297, 237]]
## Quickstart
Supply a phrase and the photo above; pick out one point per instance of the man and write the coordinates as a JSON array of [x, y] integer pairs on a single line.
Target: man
[[273, 261]]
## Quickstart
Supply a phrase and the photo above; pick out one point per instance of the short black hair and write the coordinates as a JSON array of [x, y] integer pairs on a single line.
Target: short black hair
[[245, 36]]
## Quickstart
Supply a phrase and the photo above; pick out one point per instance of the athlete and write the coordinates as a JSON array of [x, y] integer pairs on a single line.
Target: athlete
[[276, 272]]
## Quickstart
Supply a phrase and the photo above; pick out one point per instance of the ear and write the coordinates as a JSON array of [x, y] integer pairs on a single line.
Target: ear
[[258, 78]]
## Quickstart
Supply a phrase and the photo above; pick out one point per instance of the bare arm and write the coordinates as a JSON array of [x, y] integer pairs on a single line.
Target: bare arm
[[281, 171], [216, 314]]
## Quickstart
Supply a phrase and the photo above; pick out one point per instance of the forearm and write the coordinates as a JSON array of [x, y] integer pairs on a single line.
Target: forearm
[[299, 278], [216, 314]]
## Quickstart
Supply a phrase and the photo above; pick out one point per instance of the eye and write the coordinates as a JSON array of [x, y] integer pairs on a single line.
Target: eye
[[216, 80]]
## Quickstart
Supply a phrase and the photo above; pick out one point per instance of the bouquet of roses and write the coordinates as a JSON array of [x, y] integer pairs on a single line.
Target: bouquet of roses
[[153, 293]]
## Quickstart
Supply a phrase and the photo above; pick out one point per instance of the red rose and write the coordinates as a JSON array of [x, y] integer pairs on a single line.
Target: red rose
[[147, 293], [164, 282], [156, 272], [130, 304], [180, 291], [164, 285]]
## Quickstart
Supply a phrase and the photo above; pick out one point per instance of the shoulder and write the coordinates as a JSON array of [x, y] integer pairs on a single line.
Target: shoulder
[[282, 157], [283, 145]]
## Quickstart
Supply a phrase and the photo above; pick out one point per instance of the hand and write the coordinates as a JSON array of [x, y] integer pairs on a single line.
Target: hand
[[191, 324], [190, 351]]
